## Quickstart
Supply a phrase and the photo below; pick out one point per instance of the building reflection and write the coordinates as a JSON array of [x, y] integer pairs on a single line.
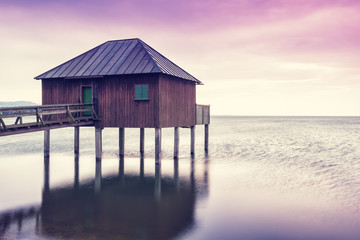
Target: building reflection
[[121, 206], [136, 207]]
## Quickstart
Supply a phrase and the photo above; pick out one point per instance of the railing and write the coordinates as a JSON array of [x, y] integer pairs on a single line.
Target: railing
[[202, 114], [13, 118]]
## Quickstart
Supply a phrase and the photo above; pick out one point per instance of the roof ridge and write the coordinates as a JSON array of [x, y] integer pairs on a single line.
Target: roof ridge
[[171, 70]]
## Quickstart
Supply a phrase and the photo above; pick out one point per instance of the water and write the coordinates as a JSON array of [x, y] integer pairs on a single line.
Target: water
[[264, 178]]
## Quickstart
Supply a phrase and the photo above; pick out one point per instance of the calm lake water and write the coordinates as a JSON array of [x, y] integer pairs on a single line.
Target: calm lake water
[[263, 178]]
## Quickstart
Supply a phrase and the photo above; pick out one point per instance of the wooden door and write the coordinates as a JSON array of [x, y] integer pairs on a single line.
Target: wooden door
[[87, 98]]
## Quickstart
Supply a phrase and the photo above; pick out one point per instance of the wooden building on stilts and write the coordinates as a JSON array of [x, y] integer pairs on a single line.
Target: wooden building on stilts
[[131, 85]]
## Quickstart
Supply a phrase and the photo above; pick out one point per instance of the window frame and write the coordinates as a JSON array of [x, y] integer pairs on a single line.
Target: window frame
[[142, 92]]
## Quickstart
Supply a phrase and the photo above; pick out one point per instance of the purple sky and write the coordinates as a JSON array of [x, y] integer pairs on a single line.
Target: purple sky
[[256, 57]]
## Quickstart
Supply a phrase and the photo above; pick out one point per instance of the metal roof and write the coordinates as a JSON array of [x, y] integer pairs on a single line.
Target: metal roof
[[130, 56]]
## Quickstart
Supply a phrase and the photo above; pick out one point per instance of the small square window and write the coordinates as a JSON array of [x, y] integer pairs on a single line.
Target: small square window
[[141, 92]]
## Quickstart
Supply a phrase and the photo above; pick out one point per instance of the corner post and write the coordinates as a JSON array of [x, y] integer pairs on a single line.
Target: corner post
[[206, 144], [121, 141], [192, 140], [46, 143], [157, 145], [98, 143], [76, 140], [176, 142], [142, 138]]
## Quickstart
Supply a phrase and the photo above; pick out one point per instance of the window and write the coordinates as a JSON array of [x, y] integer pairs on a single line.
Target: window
[[142, 92]]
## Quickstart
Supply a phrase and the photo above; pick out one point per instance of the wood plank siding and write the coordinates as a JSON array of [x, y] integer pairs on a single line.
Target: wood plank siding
[[177, 102], [117, 104], [170, 103], [60, 91]]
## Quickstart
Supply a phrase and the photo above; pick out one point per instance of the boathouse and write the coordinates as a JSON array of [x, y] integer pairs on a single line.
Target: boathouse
[[130, 85]]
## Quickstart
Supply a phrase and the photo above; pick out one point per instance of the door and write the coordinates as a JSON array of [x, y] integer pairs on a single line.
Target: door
[[87, 98]]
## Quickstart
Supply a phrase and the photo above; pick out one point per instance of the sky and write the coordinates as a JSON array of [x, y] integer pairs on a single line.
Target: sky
[[255, 57]]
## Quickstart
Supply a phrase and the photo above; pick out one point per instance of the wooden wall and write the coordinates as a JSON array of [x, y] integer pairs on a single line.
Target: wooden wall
[[171, 100], [117, 104], [60, 91], [177, 102]]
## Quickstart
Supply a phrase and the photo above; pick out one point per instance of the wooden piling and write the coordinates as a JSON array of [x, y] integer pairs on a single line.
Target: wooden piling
[[76, 172], [46, 143], [76, 140], [98, 177], [192, 140], [121, 170], [46, 188], [157, 187], [142, 141], [176, 174], [98, 143], [206, 143], [157, 145], [121, 141], [176, 143]]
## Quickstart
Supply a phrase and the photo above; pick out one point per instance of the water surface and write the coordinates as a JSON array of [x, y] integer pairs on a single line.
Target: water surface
[[263, 178]]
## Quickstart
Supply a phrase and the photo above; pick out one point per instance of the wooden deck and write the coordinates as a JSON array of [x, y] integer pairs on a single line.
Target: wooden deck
[[16, 120]]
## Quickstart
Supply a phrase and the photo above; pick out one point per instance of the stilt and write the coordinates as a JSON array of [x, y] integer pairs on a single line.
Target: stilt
[[192, 140], [176, 143], [46, 143], [142, 140], [206, 144], [121, 141], [160, 140], [76, 174], [157, 190], [46, 175], [76, 140], [176, 174], [142, 174], [98, 177], [98, 143], [157, 145], [121, 170]]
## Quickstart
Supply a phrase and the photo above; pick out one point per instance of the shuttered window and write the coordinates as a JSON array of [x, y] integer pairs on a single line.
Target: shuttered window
[[141, 92]]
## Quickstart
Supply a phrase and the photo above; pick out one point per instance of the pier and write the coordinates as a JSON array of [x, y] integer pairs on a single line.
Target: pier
[[20, 120], [17, 120]]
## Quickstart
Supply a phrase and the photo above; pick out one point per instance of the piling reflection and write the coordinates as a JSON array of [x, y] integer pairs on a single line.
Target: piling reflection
[[139, 206], [135, 207]]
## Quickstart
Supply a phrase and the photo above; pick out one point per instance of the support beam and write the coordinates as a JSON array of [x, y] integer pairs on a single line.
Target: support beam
[[46, 188], [142, 141], [206, 144], [76, 172], [157, 145], [98, 143], [176, 174], [121, 170], [192, 129], [98, 177], [46, 143], [176, 143], [121, 141], [142, 173], [157, 187], [76, 140]]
